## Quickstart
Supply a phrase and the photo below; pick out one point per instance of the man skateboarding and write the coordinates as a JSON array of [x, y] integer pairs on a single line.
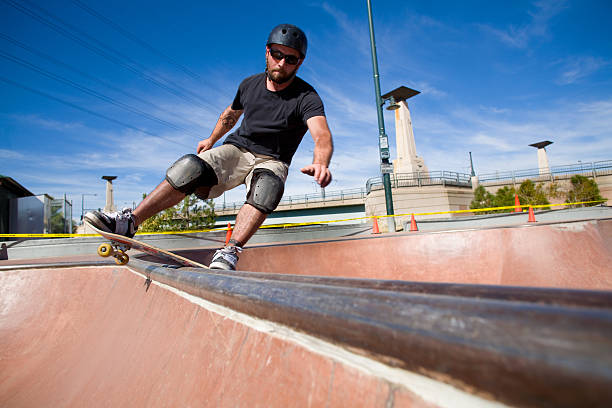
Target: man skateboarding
[[278, 109]]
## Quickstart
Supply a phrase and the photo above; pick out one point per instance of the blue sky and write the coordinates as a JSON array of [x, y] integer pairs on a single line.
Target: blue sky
[[92, 88]]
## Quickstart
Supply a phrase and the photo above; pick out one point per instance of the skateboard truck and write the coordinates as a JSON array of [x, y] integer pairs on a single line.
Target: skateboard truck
[[117, 245], [115, 249]]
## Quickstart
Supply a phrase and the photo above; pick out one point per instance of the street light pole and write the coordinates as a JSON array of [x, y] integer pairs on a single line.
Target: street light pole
[[383, 140]]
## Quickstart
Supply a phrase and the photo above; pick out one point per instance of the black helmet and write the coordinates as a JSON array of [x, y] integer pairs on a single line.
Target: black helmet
[[290, 36]]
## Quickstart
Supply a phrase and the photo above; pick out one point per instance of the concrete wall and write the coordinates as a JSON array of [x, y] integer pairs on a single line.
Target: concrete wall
[[407, 200], [605, 187]]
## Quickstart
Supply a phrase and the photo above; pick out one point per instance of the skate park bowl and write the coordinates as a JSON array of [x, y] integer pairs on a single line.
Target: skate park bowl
[[518, 316], [564, 255]]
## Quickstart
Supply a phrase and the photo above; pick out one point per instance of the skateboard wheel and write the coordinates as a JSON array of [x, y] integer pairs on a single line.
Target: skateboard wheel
[[105, 250], [122, 258]]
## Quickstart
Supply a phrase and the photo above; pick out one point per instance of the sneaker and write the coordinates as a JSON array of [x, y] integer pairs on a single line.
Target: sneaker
[[120, 223], [226, 258]]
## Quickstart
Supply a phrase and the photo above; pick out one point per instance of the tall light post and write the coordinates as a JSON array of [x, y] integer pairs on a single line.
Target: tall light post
[[83, 203], [383, 141]]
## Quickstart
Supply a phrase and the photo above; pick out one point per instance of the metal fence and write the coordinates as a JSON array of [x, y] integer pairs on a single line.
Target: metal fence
[[60, 218], [589, 169], [419, 179], [341, 195], [443, 178]]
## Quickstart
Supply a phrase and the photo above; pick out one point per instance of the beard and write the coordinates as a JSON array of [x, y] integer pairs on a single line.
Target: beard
[[279, 76]]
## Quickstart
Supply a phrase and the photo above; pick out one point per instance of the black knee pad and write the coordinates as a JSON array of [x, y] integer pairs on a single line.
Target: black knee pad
[[266, 190], [190, 172]]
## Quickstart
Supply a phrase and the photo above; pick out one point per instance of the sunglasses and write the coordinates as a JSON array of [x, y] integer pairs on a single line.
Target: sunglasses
[[279, 56]]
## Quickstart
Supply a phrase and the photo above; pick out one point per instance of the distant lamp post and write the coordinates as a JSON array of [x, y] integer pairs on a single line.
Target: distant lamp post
[[474, 177], [110, 206], [407, 160], [398, 95], [83, 203], [542, 156], [383, 141], [393, 105]]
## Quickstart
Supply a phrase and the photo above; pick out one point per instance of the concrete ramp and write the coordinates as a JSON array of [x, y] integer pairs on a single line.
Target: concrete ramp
[[96, 336], [563, 255], [402, 320]]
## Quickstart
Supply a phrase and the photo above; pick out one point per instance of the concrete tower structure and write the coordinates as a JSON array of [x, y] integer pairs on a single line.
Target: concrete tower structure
[[110, 205], [407, 159], [542, 156]]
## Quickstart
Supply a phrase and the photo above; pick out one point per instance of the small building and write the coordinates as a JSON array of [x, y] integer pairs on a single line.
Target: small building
[[22, 212], [9, 190]]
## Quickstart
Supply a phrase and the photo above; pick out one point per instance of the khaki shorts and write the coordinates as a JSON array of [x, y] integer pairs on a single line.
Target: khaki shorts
[[234, 166]]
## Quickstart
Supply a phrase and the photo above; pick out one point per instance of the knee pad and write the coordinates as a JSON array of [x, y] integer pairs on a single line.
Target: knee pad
[[266, 190], [190, 172]]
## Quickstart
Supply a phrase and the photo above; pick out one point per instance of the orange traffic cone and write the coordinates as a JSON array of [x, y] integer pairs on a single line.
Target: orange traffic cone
[[517, 204], [375, 229], [413, 224], [228, 235], [531, 215]]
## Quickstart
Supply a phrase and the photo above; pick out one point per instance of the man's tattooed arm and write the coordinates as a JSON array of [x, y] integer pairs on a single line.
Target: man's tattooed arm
[[229, 118], [226, 122]]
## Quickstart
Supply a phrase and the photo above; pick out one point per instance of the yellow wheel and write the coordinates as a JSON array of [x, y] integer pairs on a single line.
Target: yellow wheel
[[121, 258], [105, 250]]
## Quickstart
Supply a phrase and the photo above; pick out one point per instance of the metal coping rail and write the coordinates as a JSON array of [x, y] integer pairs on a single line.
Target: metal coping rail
[[549, 354]]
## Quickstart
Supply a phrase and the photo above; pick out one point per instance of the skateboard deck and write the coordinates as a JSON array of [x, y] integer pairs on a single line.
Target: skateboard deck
[[119, 244]]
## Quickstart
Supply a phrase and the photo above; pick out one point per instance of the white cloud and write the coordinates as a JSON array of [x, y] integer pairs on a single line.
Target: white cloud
[[354, 34], [493, 109], [430, 90], [51, 124], [484, 140], [11, 155], [577, 68], [499, 142], [519, 36]]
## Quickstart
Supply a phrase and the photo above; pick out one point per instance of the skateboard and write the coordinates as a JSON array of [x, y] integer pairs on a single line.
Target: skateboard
[[119, 244]]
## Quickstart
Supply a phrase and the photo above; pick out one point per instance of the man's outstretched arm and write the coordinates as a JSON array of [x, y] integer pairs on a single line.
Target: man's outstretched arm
[[226, 122], [323, 150]]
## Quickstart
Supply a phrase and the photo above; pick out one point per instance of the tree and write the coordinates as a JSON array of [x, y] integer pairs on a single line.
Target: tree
[[57, 221], [482, 199], [186, 215], [531, 194], [528, 192], [554, 191], [583, 189], [504, 198]]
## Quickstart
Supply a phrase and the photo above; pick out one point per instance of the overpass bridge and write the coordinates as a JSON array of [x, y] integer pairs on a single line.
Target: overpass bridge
[[415, 192], [324, 206]]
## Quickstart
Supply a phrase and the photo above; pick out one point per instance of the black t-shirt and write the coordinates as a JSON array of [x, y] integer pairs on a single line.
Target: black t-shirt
[[274, 123]]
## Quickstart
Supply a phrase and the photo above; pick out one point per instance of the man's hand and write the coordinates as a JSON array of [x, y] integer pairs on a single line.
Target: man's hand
[[320, 172], [205, 145], [324, 147]]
